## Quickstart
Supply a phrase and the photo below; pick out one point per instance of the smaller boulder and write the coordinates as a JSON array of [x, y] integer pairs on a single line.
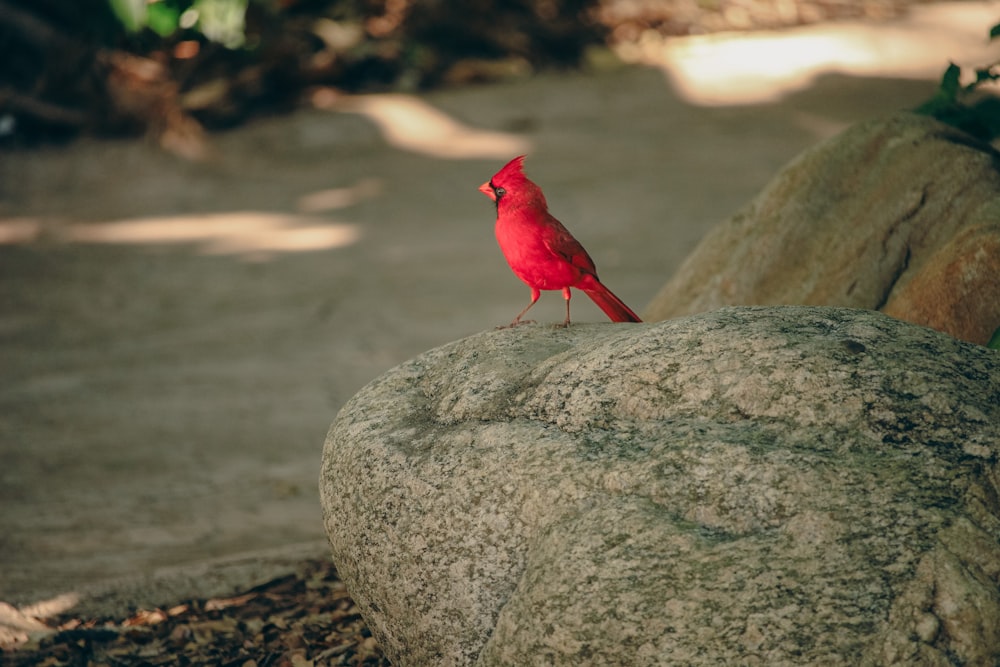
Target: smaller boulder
[[900, 215]]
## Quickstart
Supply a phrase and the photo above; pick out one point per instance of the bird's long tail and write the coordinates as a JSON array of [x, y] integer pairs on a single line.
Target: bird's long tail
[[613, 307]]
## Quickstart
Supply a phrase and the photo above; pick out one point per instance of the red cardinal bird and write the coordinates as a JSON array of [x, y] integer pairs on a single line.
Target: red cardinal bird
[[540, 251]]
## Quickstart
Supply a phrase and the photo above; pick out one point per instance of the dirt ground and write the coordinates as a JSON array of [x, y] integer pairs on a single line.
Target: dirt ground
[[176, 337]]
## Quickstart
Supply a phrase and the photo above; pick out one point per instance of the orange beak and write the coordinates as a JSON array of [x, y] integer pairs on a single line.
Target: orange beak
[[487, 190]]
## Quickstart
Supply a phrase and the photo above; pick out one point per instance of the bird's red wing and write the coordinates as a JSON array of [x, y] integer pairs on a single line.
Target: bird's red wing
[[560, 242]]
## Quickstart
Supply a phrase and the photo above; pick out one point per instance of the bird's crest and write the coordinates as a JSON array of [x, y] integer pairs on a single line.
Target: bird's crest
[[513, 170]]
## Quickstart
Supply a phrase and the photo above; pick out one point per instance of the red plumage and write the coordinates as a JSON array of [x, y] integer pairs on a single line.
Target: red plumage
[[540, 250]]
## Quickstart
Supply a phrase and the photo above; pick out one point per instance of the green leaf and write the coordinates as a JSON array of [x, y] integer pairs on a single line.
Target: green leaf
[[949, 82], [222, 21], [131, 13], [983, 75], [994, 341], [995, 31], [945, 99], [163, 18]]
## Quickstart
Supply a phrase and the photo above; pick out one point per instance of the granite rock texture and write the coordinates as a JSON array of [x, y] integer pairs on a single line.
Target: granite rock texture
[[759, 486]]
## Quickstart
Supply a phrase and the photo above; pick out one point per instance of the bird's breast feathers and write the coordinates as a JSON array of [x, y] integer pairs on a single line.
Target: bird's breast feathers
[[531, 255]]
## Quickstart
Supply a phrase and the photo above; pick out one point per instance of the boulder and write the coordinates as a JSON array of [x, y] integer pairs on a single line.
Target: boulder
[[755, 486], [899, 214]]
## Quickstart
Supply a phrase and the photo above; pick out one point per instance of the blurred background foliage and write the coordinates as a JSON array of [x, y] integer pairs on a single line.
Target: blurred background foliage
[[219, 21], [963, 106], [171, 68]]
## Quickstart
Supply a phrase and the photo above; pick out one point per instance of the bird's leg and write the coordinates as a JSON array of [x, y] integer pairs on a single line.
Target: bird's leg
[[535, 293], [567, 296]]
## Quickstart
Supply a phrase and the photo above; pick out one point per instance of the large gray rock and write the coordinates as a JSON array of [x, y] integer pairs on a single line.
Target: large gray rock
[[900, 214], [757, 486]]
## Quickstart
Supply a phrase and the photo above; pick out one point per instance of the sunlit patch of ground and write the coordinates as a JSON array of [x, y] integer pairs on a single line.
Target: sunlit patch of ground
[[760, 67]]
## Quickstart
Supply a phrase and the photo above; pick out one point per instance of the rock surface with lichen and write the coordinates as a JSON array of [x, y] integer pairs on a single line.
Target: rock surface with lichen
[[758, 486]]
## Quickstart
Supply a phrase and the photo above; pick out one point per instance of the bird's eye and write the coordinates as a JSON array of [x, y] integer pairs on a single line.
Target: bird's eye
[[500, 192]]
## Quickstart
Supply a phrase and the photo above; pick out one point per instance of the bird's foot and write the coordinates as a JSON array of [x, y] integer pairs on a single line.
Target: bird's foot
[[515, 323]]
